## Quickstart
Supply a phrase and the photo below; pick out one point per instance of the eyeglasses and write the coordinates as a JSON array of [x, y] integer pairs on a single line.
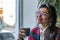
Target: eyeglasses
[[43, 14]]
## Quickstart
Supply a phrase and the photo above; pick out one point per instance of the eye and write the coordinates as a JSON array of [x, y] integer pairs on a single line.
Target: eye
[[44, 14]]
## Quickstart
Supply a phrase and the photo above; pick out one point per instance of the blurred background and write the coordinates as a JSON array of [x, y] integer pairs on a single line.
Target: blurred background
[[7, 19]]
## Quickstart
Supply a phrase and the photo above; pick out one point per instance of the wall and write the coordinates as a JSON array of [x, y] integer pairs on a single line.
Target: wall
[[29, 9]]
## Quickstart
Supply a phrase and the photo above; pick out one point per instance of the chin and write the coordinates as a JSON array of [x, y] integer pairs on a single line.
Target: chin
[[40, 22]]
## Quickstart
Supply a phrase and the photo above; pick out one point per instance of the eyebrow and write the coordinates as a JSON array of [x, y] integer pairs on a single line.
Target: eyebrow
[[40, 12]]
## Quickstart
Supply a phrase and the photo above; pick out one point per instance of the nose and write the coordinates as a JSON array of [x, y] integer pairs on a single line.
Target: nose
[[39, 17]]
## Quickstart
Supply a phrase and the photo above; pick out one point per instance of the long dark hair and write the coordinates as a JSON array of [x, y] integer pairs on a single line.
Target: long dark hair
[[52, 15]]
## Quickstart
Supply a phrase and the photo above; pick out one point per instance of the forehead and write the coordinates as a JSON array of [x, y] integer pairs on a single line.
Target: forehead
[[43, 10]]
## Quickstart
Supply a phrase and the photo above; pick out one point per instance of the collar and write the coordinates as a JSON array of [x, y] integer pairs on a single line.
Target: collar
[[43, 29]]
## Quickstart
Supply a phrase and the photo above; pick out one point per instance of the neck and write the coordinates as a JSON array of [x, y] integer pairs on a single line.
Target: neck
[[43, 26]]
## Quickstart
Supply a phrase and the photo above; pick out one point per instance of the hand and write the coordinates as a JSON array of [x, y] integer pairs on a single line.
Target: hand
[[21, 33]]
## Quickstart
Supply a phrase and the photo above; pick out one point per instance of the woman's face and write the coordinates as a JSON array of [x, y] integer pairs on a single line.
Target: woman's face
[[42, 15]]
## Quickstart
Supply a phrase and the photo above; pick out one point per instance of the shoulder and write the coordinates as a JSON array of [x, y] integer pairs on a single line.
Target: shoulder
[[34, 29], [58, 29], [58, 34]]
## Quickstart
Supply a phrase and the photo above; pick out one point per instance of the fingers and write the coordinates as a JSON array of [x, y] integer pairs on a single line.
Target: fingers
[[21, 33]]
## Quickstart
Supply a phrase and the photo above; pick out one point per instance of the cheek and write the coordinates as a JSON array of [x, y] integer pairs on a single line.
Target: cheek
[[39, 18], [45, 18]]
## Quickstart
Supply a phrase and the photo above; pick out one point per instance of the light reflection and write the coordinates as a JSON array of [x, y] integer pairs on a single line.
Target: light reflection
[[7, 18], [9, 12]]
